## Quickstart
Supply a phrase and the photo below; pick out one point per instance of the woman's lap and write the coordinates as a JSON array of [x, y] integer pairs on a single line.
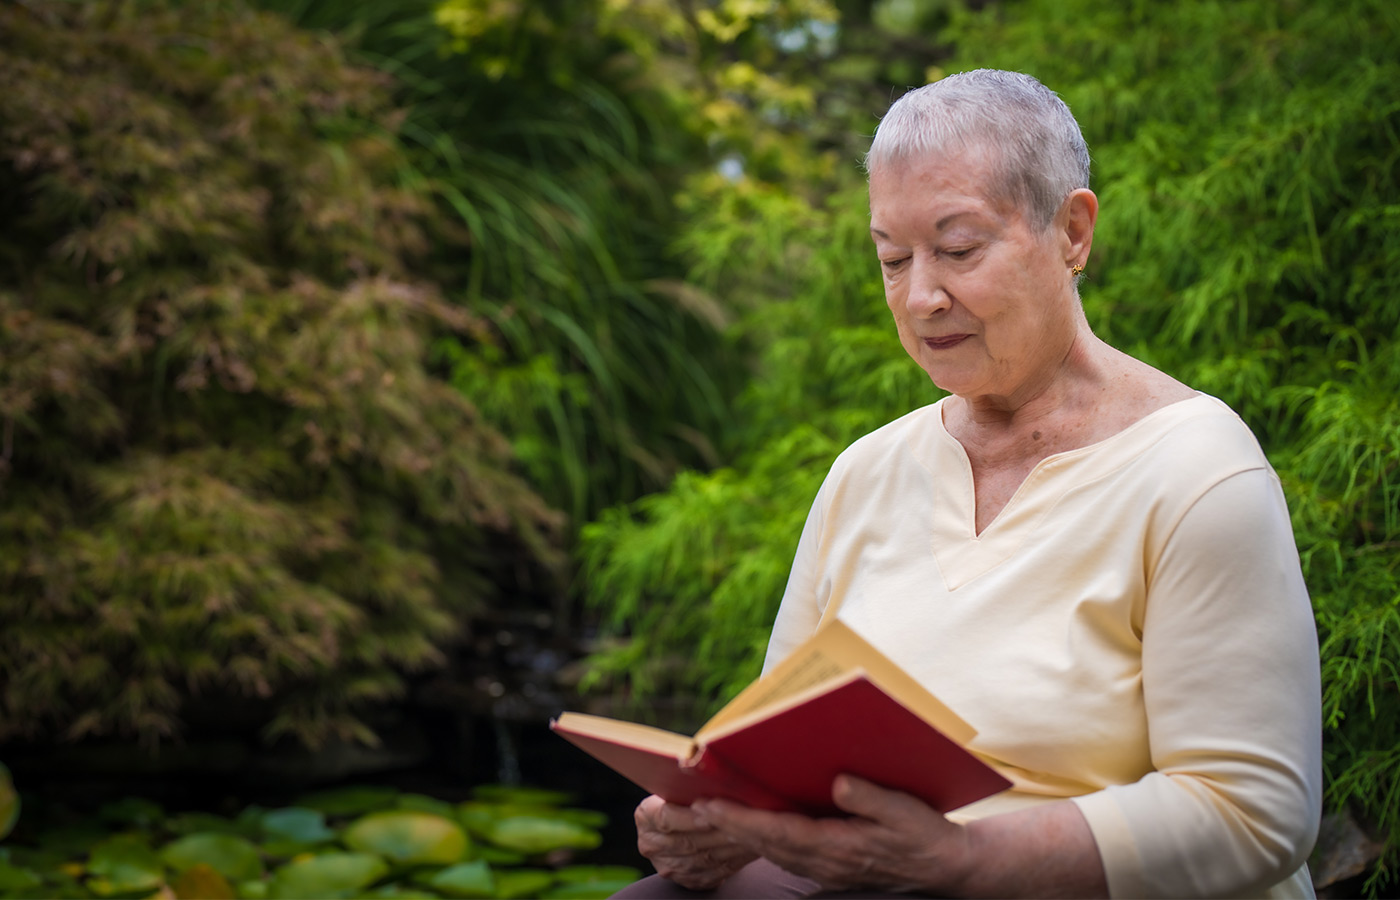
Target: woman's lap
[[759, 880]]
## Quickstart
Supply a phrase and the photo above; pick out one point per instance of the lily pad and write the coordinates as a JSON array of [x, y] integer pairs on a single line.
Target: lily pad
[[537, 834], [408, 838], [424, 803], [520, 794], [9, 802], [252, 890], [203, 882], [498, 856], [123, 864], [516, 883], [17, 880], [294, 829], [400, 892], [328, 876], [231, 856], [473, 879], [478, 817], [351, 801]]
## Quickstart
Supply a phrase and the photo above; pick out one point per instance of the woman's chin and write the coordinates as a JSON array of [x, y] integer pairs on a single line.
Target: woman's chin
[[951, 381]]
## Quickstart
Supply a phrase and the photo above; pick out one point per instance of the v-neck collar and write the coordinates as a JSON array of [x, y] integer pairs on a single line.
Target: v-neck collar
[[961, 553]]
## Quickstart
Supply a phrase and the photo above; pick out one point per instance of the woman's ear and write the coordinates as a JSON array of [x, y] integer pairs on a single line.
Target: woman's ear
[[1077, 218]]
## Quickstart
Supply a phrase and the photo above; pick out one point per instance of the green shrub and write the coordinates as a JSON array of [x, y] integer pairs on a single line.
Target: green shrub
[[228, 468]]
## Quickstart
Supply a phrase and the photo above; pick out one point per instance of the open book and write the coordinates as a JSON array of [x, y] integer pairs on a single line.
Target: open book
[[836, 704]]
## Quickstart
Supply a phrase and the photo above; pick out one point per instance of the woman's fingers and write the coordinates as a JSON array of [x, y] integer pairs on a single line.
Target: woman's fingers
[[684, 848], [893, 841], [893, 808]]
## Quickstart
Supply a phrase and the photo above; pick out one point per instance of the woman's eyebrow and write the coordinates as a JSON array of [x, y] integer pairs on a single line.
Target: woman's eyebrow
[[940, 224]]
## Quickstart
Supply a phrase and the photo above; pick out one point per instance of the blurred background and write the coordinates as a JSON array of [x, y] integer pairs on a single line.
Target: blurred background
[[379, 378]]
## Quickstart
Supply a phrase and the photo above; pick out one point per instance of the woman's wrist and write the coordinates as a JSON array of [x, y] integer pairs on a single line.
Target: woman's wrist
[[959, 860], [1043, 851]]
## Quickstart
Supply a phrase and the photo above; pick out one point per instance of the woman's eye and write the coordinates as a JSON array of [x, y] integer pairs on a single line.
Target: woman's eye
[[961, 253], [891, 265]]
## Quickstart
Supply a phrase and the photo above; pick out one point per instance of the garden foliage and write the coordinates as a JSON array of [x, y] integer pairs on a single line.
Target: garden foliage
[[228, 469], [267, 315], [1247, 156], [535, 128]]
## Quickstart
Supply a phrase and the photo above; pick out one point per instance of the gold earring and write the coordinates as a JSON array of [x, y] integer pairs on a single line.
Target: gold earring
[[1078, 269]]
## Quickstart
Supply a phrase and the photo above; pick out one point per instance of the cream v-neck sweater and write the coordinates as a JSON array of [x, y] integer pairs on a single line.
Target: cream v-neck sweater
[[1132, 631]]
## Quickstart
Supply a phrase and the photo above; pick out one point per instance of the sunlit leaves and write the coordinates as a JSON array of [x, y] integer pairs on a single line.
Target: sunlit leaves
[[407, 837], [331, 875]]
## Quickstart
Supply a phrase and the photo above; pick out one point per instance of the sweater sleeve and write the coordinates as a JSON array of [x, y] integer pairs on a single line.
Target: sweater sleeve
[[1231, 686], [804, 600]]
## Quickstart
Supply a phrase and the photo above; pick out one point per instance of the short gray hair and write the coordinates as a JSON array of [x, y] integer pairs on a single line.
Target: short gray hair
[[1041, 154]]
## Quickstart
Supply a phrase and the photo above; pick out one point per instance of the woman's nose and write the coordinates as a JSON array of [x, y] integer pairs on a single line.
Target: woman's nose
[[927, 292]]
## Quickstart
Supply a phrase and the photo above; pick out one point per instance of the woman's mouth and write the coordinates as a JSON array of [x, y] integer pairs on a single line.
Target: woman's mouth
[[946, 342]]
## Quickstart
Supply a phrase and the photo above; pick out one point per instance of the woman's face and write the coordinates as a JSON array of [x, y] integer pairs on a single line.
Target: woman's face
[[983, 300]]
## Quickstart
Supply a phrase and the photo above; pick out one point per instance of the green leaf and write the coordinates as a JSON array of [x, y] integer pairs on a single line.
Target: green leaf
[[124, 864], [231, 856], [14, 879], [477, 818], [203, 882], [332, 875], [473, 879], [424, 803], [351, 801], [537, 834], [409, 838], [296, 823], [498, 856], [404, 893], [515, 883], [520, 794]]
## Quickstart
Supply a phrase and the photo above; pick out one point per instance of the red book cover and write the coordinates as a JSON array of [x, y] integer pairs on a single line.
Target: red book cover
[[786, 756], [858, 729], [673, 777]]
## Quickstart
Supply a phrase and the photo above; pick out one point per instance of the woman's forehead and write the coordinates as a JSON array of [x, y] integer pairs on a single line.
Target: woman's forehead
[[937, 190]]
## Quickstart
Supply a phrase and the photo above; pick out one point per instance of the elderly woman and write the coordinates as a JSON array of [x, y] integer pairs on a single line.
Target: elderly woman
[[1089, 561]]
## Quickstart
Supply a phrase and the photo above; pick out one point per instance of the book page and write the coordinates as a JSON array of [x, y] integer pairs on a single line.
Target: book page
[[656, 740], [834, 650], [808, 669]]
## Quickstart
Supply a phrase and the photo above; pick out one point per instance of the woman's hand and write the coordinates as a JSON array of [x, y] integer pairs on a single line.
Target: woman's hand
[[899, 843], [684, 847], [894, 842]]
